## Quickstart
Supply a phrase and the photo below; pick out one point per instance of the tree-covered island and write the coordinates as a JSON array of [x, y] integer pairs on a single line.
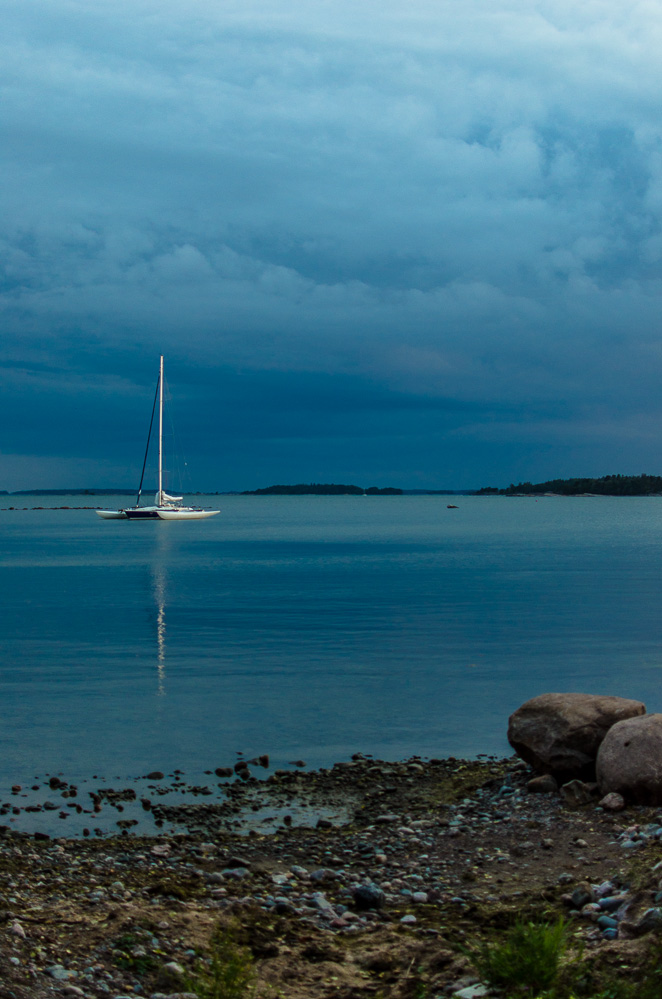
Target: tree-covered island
[[322, 489], [608, 485]]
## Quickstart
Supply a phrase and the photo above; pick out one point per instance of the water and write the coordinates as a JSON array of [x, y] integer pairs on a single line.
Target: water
[[313, 627]]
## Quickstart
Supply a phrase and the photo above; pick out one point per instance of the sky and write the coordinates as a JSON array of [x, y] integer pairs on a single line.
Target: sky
[[399, 244]]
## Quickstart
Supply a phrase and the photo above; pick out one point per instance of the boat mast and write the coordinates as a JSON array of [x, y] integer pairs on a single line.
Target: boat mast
[[149, 437], [159, 498]]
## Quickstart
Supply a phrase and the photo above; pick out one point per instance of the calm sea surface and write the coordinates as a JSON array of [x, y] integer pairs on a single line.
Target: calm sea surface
[[313, 627]]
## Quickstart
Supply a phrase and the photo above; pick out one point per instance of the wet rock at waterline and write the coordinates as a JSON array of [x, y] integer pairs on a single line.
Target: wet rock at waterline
[[560, 734], [630, 760]]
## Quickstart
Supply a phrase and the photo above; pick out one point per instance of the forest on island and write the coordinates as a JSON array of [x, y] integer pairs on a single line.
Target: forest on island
[[608, 485]]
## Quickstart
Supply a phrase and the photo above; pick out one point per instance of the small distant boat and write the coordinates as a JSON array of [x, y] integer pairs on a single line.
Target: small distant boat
[[165, 507]]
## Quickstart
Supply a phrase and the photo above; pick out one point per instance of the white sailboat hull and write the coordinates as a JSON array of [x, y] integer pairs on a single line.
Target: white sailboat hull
[[157, 513], [185, 513]]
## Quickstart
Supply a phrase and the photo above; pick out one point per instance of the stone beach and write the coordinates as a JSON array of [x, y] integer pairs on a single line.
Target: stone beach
[[369, 878]]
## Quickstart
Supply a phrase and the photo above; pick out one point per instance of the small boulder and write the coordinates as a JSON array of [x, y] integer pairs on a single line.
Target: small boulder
[[630, 760], [612, 802], [576, 793], [651, 921], [561, 733], [544, 784]]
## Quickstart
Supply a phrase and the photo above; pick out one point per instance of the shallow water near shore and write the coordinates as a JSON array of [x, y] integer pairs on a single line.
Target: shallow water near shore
[[313, 627]]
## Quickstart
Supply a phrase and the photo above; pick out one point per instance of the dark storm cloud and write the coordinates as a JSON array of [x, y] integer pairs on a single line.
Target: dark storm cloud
[[435, 224]]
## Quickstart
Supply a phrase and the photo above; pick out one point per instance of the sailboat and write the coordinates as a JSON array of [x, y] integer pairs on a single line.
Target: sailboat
[[165, 507]]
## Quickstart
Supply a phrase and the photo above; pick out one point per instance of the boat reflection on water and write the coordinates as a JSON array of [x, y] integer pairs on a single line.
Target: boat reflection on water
[[159, 593], [159, 589]]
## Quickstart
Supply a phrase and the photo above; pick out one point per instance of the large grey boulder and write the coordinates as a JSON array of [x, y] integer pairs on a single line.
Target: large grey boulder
[[630, 760], [561, 733]]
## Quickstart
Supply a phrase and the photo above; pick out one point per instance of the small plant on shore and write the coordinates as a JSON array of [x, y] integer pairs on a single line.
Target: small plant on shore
[[128, 953], [527, 962], [229, 972]]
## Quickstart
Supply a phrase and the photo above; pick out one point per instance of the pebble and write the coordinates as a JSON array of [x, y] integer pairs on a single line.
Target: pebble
[[545, 784], [369, 896], [322, 874], [581, 896], [323, 906], [235, 872], [60, 973], [576, 793], [174, 969], [284, 908], [172, 995], [408, 920], [612, 902]]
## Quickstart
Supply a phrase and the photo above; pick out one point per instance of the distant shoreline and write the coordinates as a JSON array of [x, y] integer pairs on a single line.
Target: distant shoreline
[[607, 485]]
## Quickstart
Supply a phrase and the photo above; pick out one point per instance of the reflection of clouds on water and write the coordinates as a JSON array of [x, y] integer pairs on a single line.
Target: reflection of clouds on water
[[160, 578]]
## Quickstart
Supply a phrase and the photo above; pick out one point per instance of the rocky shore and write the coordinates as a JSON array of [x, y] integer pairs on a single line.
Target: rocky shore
[[408, 866]]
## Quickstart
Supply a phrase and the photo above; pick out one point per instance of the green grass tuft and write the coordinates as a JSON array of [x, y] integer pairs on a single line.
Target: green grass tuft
[[527, 962], [229, 972]]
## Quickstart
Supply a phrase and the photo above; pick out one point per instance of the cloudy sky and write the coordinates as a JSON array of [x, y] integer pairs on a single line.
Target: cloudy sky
[[413, 244]]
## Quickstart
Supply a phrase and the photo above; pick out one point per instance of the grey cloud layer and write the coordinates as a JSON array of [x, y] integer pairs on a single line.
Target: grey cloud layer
[[452, 201]]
